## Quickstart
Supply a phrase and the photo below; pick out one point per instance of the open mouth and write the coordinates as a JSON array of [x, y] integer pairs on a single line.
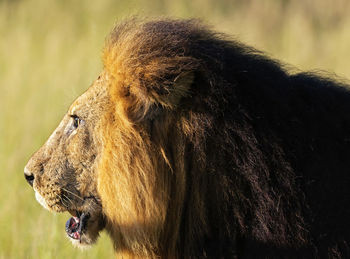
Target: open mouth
[[84, 226], [76, 225], [86, 221]]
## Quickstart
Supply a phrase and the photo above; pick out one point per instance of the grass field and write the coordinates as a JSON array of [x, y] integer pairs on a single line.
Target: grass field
[[50, 52]]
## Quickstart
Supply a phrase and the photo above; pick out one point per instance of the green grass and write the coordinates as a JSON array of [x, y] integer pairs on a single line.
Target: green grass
[[50, 52]]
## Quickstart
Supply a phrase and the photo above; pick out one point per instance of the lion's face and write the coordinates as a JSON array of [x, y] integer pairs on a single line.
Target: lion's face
[[63, 171]]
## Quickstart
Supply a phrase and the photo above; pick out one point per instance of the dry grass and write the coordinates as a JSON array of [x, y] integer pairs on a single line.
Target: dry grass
[[50, 52]]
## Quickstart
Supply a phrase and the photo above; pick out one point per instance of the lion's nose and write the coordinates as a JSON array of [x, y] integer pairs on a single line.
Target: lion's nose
[[29, 176]]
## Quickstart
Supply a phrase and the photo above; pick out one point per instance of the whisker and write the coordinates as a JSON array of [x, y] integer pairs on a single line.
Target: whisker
[[64, 189], [63, 201], [68, 199]]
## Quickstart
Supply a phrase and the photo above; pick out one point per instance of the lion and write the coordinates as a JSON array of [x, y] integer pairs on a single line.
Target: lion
[[192, 145]]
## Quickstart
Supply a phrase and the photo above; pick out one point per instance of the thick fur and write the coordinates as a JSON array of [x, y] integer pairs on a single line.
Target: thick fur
[[209, 149]]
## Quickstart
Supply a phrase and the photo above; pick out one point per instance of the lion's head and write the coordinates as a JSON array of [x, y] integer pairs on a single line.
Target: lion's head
[[108, 162]]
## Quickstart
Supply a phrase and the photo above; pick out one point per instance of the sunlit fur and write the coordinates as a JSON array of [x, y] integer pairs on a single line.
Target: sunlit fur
[[205, 148], [64, 168], [143, 171]]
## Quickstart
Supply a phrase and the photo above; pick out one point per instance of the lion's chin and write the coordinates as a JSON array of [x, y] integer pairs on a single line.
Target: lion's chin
[[83, 228]]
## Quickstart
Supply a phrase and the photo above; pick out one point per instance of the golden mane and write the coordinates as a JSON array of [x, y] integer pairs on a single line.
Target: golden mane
[[141, 194]]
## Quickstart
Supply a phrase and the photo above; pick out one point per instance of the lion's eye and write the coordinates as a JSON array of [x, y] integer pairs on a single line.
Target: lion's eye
[[74, 124], [76, 121]]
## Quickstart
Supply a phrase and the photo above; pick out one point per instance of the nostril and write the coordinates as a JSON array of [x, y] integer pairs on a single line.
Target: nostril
[[29, 178]]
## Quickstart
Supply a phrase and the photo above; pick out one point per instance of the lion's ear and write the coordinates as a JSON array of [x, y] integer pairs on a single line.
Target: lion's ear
[[147, 101], [179, 89]]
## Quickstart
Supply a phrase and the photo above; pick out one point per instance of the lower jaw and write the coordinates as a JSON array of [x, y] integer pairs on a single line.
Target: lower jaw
[[86, 228], [81, 244]]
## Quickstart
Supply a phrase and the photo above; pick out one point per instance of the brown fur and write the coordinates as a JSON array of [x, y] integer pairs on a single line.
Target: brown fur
[[197, 146]]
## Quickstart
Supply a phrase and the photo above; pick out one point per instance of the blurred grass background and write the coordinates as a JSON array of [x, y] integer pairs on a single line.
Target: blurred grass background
[[50, 52]]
